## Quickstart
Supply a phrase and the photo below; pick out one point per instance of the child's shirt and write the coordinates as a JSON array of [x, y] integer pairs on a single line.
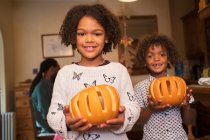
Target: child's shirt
[[164, 125], [73, 78]]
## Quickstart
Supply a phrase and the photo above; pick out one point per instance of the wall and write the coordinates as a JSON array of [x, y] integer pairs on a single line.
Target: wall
[[7, 80], [33, 18], [23, 21], [177, 29], [183, 7]]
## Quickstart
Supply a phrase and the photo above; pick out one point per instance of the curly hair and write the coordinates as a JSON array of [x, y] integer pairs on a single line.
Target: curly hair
[[100, 13], [158, 39]]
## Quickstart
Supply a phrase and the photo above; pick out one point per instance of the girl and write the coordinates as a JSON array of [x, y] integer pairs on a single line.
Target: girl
[[161, 122], [92, 30], [41, 93]]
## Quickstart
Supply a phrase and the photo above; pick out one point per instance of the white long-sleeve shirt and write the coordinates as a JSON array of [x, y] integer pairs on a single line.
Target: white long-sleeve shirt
[[73, 78]]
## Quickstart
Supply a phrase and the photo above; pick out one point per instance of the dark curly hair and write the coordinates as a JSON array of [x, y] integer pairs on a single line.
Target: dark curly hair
[[158, 39], [104, 17]]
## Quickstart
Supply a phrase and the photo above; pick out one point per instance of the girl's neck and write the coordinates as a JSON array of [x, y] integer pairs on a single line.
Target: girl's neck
[[159, 74], [91, 63]]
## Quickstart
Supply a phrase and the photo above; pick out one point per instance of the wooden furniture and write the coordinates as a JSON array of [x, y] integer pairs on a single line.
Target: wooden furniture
[[25, 124], [194, 42], [202, 105], [204, 15], [24, 121]]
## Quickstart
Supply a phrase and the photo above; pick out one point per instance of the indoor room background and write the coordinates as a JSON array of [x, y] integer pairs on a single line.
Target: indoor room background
[[22, 22]]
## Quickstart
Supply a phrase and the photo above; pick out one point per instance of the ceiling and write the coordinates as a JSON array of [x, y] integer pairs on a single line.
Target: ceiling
[[56, 0]]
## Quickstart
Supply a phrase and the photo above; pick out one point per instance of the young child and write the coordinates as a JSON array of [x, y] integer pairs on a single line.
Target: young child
[[92, 30], [161, 122]]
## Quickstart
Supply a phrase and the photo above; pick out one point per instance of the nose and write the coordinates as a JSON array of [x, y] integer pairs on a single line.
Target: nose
[[89, 38], [157, 57]]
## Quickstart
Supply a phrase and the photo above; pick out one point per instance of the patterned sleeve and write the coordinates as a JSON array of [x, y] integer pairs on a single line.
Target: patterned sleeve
[[132, 110], [139, 91], [55, 116]]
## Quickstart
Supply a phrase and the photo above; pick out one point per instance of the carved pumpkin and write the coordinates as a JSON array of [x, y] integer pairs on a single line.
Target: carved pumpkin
[[168, 89], [96, 104]]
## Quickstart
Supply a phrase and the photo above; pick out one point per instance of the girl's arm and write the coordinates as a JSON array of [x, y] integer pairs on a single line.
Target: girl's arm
[[187, 115], [130, 114], [153, 106], [56, 117], [186, 108], [144, 116]]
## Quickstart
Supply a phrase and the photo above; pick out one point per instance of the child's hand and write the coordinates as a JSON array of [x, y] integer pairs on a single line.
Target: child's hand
[[77, 124], [116, 122], [156, 105], [185, 103]]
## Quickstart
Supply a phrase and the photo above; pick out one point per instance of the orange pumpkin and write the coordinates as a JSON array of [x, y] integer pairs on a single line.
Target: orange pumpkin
[[96, 104], [168, 89]]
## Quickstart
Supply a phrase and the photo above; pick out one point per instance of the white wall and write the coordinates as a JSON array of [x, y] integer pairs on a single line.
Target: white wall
[[33, 18]]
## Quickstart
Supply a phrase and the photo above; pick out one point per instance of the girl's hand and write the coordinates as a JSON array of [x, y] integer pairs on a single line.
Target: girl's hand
[[77, 124], [116, 122], [185, 103], [156, 105]]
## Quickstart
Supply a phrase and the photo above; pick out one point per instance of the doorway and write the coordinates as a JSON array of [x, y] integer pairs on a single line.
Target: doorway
[[2, 74]]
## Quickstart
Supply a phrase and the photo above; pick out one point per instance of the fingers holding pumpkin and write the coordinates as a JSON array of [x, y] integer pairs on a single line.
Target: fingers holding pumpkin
[[157, 105], [81, 126], [187, 97], [77, 123], [115, 122]]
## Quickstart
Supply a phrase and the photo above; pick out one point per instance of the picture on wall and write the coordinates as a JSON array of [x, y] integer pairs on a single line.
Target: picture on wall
[[52, 47]]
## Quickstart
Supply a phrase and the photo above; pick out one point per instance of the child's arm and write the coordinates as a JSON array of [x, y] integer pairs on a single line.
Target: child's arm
[[152, 107], [129, 115], [186, 109], [144, 115], [55, 117]]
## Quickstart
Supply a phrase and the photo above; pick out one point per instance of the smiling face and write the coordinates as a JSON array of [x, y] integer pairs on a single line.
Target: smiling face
[[157, 60], [90, 39]]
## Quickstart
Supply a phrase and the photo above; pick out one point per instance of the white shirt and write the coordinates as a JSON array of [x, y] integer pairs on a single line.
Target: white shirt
[[73, 78]]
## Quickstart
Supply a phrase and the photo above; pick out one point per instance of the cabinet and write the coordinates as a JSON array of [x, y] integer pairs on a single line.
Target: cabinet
[[194, 42], [204, 15], [201, 94], [25, 128]]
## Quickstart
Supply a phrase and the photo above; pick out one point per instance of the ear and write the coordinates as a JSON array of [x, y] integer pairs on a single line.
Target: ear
[[106, 41]]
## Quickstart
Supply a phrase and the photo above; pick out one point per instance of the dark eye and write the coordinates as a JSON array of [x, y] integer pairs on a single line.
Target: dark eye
[[149, 56], [80, 34], [163, 54], [97, 34]]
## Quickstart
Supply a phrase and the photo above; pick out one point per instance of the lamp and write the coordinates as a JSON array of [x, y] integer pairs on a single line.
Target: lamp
[[127, 0]]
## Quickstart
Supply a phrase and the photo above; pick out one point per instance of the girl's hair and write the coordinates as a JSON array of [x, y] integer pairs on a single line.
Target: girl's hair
[[104, 17], [158, 39], [44, 66]]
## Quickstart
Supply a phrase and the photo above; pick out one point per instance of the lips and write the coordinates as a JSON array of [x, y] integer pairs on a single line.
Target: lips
[[156, 65], [90, 48]]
